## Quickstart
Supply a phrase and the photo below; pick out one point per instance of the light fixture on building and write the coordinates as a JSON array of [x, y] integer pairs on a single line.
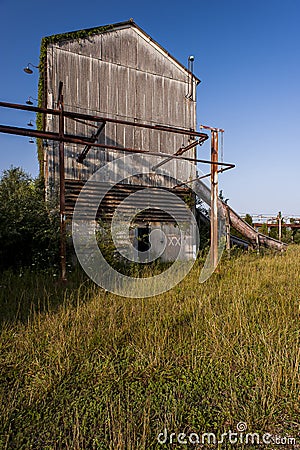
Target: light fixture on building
[[29, 101], [28, 70], [190, 93], [191, 60]]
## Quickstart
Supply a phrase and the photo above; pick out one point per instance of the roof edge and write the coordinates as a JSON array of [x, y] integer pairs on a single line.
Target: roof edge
[[88, 32], [84, 32]]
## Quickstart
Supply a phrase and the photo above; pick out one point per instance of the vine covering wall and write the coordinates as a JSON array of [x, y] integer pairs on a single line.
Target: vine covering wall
[[74, 35]]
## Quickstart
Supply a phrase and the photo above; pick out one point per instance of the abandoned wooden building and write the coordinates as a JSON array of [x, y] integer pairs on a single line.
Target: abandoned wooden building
[[118, 72]]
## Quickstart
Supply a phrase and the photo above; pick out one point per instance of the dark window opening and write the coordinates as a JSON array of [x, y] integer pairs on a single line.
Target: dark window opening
[[143, 243]]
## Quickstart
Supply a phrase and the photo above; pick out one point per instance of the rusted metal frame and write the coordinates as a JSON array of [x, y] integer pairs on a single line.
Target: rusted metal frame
[[86, 149], [214, 199], [214, 194], [230, 166], [180, 151], [205, 127], [273, 225], [92, 118], [29, 108], [279, 218], [31, 133], [84, 122], [137, 124], [78, 140], [62, 185]]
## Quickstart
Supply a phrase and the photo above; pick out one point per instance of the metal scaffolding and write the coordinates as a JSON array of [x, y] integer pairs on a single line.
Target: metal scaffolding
[[88, 142]]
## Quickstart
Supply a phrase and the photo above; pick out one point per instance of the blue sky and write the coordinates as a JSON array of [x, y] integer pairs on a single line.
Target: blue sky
[[247, 54]]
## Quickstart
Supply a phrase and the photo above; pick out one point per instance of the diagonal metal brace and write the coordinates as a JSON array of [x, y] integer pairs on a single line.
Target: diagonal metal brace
[[180, 151], [80, 158]]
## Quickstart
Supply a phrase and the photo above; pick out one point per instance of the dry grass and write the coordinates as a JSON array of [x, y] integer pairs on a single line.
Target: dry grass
[[89, 370]]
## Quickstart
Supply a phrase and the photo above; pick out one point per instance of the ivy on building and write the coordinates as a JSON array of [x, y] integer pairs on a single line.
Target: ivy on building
[[54, 39]]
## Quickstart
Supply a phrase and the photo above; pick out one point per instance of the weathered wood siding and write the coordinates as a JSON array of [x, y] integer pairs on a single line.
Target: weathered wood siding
[[120, 74]]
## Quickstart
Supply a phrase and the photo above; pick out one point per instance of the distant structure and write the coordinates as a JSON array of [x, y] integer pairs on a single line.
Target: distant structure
[[118, 72], [272, 221]]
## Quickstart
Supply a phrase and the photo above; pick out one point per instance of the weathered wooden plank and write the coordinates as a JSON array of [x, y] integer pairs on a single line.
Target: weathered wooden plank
[[121, 91], [128, 48], [111, 48], [118, 74]]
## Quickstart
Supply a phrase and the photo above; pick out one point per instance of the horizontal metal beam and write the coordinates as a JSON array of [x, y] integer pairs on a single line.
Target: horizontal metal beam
[[230, 166], [205, 127], [180, 151], [269, 225], [95, 118], [73, 139]]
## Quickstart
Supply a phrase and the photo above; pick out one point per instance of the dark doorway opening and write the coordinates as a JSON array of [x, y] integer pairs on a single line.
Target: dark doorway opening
[[143, 242]]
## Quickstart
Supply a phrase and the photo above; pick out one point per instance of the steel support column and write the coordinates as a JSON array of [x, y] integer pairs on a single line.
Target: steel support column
[[214, 198], [279, 226], [60, 102]]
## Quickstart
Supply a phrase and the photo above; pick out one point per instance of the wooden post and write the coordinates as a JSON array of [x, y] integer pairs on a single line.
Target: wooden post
[[214, 198], [227, 222], [257, 243], [279, 226], [62, 185]]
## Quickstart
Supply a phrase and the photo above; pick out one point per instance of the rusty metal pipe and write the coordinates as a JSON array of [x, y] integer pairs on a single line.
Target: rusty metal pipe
[[95, 118], [180, 151], [78, 140], [205, 127], [214, 199], [231, 166]]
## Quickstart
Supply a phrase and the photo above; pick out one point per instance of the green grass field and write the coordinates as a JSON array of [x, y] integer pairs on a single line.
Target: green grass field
[[84, 369]]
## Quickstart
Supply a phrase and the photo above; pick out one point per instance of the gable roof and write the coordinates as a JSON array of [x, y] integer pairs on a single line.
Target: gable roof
[[88, 32], [84, 34]]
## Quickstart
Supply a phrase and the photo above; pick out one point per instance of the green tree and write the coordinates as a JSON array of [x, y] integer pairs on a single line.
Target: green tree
[[274, 232], [248, 219], [263, 229], [296, 237], [28, 232]]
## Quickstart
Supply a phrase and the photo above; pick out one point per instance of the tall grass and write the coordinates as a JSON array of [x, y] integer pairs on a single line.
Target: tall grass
[[89, 370]]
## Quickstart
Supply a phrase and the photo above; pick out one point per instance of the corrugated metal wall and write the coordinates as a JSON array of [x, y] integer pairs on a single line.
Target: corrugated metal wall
[[120, 74]]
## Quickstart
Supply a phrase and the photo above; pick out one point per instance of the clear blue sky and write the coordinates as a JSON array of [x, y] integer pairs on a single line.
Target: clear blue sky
[[247, 54]]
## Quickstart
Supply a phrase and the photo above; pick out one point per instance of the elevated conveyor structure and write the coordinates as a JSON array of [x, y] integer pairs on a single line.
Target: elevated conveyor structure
[[248, 232]]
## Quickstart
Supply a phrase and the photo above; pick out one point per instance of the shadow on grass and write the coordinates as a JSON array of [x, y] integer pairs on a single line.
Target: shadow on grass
[[27, 293]]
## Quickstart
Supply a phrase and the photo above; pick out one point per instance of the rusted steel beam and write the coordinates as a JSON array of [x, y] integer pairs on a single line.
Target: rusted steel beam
[[205, 127], [230, 166], [29, 108], [84, 122], [73, 139], [137, 124], [275, 225], [95, 118], [214, 199], [27, 132], [180, 151], [86, 149]]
